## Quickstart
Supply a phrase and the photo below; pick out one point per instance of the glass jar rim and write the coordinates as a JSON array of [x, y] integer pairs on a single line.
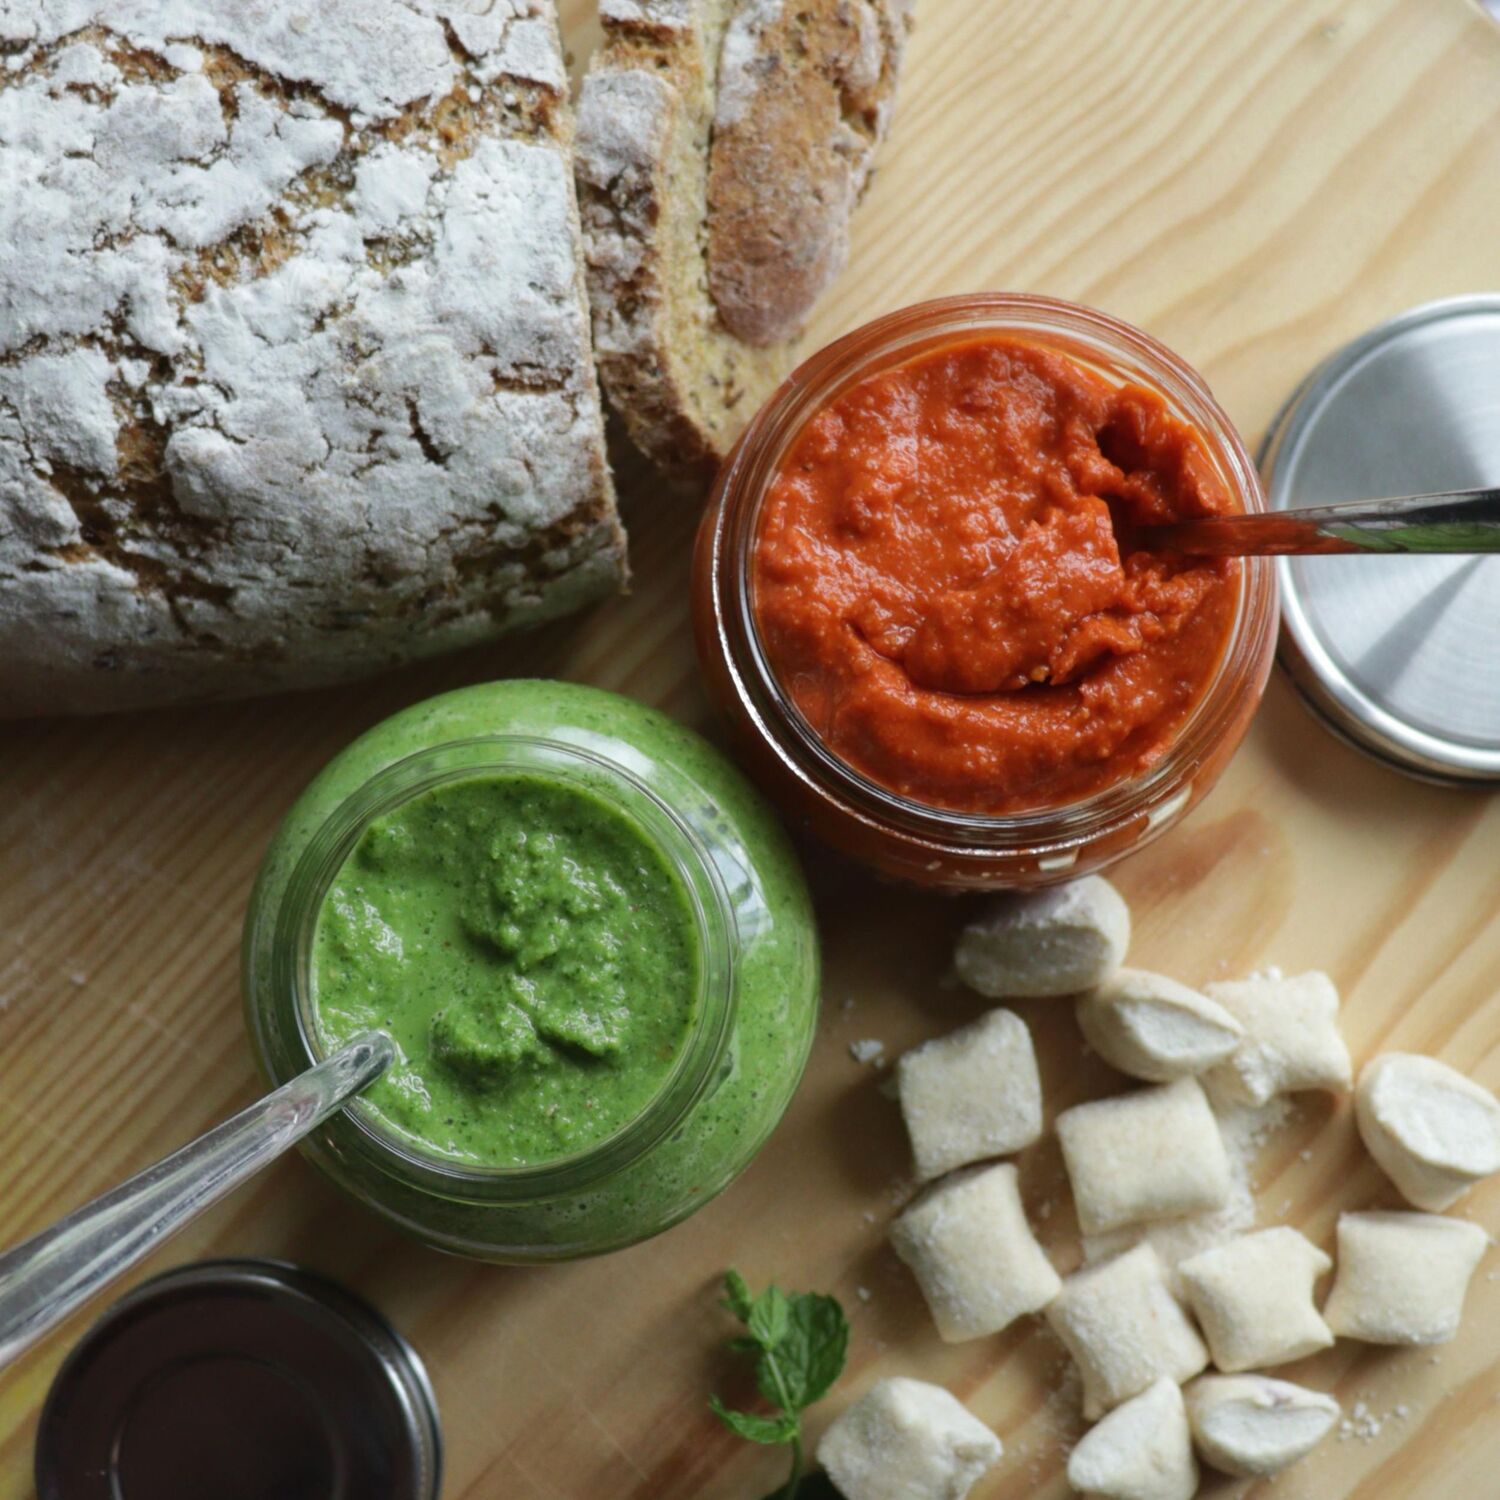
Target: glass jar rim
[[884, 343], [394, 784]]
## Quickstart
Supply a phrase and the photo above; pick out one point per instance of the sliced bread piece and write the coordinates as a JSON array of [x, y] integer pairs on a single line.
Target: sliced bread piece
[[295, 376], [722, 145]]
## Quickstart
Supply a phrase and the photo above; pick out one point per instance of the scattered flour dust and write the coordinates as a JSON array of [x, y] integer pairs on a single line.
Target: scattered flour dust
[[1060, 1415], [1056, 1426], [1245, 1130], [866, 1050], [1364, 1424]]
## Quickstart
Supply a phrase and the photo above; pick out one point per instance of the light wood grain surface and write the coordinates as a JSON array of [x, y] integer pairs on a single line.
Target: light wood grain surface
[[1253, 181]]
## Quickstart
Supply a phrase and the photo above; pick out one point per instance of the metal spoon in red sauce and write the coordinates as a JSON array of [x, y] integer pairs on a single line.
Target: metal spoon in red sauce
[[1450, 521]]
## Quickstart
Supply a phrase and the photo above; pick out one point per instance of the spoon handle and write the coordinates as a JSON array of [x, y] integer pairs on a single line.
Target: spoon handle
[[1452, 521], [48, 1276]]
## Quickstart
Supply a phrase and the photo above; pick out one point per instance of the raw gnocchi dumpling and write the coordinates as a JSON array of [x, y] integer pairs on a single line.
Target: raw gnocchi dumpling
[[1154, 1028], [906, 1439], [1291, 1039], [967, 1241], [1155, 1153], [972, 1094], [1253, 1296], [1252, 1426], [1052, 942], [1123, 1327], [1142, 1450], [1434, 1132], [1402, 1277]]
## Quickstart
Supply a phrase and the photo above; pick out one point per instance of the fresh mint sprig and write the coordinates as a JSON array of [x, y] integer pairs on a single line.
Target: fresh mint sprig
[[799, 1343]]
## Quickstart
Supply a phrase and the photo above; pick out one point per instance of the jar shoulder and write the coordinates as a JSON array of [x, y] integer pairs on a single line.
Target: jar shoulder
[[676, 761]]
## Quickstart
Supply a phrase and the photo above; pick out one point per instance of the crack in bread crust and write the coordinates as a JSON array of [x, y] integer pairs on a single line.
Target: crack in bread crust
[[685, 210], [294, 351]]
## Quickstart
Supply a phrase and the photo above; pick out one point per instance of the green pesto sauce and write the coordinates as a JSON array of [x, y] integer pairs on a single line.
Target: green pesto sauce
[[532, 952]]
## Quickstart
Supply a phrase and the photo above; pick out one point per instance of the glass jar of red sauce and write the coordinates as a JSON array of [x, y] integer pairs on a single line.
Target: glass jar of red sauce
[[934, 830]]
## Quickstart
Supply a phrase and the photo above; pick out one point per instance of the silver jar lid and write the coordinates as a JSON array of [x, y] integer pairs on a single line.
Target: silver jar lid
[[246, 1378], [1400, 655]]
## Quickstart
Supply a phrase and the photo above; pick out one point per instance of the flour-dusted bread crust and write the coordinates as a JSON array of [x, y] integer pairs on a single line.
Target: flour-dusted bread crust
[[294, 349], [722, 145]]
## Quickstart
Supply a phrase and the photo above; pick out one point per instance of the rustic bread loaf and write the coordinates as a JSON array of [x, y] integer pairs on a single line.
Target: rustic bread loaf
[[722, 145], [294, 350]]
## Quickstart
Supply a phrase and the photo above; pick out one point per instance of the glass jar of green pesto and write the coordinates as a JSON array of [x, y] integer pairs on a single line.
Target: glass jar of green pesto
[[592, 945]]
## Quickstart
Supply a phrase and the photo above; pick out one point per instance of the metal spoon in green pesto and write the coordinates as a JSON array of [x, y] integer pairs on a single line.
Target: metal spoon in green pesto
[[50, 1275]]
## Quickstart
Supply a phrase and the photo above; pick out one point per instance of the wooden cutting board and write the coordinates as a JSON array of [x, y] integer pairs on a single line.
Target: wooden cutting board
[[1254, 183]]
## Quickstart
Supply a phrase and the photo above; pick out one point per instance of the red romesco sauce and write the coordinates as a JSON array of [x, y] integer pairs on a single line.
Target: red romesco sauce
[[943, 582]]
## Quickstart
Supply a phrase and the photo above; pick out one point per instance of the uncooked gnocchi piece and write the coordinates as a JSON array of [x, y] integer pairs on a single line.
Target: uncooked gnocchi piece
[[1152, 1027], [1142, 1450], [967, 1241], [1402, 1277], [1291, 1039], [1053, 942], [972, 1094], [1155, 1153], [1121, 1323], [1251, 1426], [1434, 1132], [906, 1439], [1253, 1296]]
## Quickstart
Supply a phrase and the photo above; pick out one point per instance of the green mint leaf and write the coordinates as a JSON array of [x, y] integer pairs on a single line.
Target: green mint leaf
[[770, 1317], [781, 1429], [799, 1344], [810, 1354], [737, 1298]]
